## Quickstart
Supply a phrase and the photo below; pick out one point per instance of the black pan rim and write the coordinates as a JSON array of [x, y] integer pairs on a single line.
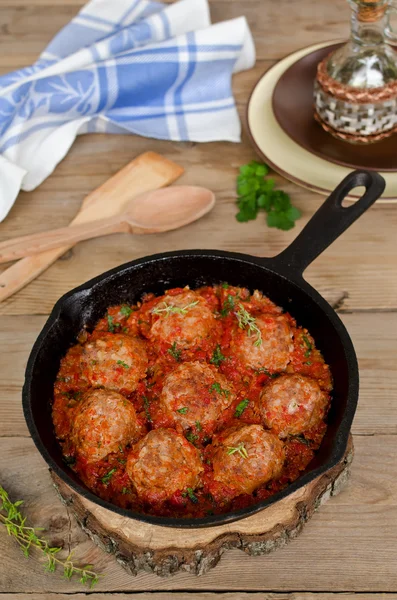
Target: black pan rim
[[269, 264]]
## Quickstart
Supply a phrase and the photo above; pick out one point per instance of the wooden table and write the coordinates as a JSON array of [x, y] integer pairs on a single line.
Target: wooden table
[[350, 545]]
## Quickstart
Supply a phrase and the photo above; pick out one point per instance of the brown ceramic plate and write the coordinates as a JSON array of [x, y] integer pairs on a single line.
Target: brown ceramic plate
[[293, 108]]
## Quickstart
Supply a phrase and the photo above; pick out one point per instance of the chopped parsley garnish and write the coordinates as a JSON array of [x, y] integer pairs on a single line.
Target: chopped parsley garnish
[[240, 449], [174, 352], [256, 193], [217, 356], [106, 478], [245, 320], [266, 372], [198, 426], [192, 495], [308, 363], [112, 326], [217, 388], [228, 306], [125, 491], [191, 437], [123, 364], [125, 310], [183, 410], [225, 285], [169, 309], [308, 345], [146, 405], [73, 395], [240, 408]]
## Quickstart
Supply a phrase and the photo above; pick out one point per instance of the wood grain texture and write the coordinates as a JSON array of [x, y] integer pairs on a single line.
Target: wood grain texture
[[203, 596], [374, 336], [348, 545]]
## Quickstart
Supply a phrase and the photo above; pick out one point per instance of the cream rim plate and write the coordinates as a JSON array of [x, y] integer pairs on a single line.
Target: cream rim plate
[[283, 154]]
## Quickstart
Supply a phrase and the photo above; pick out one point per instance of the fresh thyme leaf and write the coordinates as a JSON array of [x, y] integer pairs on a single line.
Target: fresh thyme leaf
[[27, 539], [169, 309], [256, 193], [192, 496], [183, 410], [240, 408], [240, 449], [125, 310], [245, 320], [106, 478], [146, 404], [123, 364], [217, 356], [217, 388], [308, 345], [198, 426], [266, 372], [228, 306], [174, 352]]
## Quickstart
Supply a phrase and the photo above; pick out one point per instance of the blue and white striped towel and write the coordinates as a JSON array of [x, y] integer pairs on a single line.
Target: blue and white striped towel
[[125, 66]]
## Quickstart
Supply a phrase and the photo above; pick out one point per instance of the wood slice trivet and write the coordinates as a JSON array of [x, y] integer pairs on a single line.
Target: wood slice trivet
[[164, 551]]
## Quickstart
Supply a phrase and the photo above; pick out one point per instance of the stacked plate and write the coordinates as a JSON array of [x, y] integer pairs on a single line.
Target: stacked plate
[[286, 136]]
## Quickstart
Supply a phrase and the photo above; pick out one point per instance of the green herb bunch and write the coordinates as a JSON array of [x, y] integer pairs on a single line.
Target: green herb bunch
[[27, 538], [256, 192]]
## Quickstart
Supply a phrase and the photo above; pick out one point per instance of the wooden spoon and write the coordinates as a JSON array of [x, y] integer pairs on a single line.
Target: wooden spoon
[[153, 212]]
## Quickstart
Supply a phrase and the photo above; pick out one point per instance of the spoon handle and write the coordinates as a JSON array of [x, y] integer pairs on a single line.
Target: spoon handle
[[39, 242]]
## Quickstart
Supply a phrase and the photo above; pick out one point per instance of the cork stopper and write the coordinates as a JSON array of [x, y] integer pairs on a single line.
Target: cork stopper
[[370, 11]]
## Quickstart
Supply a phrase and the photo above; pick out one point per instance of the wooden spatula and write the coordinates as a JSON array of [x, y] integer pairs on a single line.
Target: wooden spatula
[[149, 171]]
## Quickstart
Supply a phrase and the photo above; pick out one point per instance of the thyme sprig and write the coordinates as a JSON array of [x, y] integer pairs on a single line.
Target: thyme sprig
[[27, 539], [247, 321], [240, 449], [169, 309]]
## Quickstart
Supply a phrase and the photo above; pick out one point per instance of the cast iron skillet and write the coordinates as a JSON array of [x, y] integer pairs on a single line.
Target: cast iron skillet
[[280, 278]]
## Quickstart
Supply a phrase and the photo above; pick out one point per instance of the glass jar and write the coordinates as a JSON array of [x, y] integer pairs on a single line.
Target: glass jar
[[355, 91]]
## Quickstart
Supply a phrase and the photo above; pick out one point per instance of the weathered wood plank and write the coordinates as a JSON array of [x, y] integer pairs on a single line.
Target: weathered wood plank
[[374, 336], [357, 529], [27, 27], [203, 596]]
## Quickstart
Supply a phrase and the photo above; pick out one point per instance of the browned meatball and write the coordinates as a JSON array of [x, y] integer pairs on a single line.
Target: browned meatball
[[114, 361], [104, 421], [292, 404], [246, 458], [196, 394], [184, 319], [268, 344], [161, 464]]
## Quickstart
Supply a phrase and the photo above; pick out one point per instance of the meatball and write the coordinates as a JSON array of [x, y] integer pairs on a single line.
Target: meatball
[[269, 346], [292, 404], [161, 464], [246, 458], [104, 421], [184, 319], [196, 394], [114, 361]]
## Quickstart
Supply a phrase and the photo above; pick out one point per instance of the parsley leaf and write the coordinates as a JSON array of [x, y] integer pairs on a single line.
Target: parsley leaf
[[217, 356], [112, 326], [146, 405], [256, 193], [182, 410], [192, 495], [125, 310], [240, 408], [308, 345], [228, 305], [123, 364], [174, 352], [191, 437], [217, 388]]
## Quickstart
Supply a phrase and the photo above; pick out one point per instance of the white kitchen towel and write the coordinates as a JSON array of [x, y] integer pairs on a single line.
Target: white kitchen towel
[[121, 66]]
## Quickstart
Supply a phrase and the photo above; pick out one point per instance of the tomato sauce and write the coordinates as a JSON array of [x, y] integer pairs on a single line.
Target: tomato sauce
[[108, 477]]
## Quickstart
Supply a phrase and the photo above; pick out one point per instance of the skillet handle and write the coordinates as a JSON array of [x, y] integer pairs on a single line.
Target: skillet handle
[[331, 220]]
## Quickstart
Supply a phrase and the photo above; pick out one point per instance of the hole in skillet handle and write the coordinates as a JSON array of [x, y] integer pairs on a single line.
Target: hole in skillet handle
[[330, 221]]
